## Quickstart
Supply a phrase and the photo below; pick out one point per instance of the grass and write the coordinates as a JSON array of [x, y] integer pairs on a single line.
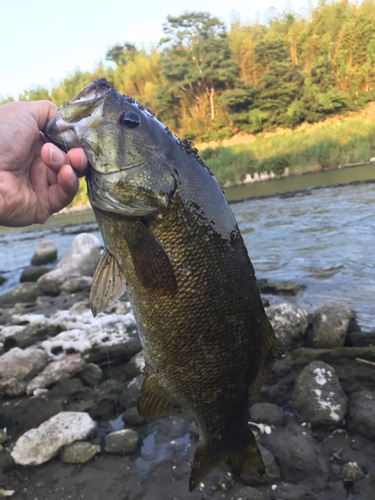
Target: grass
[[330, 146]]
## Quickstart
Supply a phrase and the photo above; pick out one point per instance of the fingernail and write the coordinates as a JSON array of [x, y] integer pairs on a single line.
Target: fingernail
[[55, 155], [83, 159], [73, 176]]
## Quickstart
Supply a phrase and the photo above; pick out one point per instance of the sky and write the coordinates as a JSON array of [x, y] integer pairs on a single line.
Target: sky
[[42, 41]]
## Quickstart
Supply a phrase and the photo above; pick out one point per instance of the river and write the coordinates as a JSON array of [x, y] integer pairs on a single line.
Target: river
[[322, 238]]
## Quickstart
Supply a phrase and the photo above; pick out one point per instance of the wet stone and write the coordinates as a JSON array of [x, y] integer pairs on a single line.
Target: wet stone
[[91, 374], [248, 493], [330, 324], [266, 413], [25, 292], [226, 483], [135, 365], [3, 437], [351, 472], [129, 397], [289, 323], [280, 287], [44, 254], [318, 397], [79, 452], [287, 491], [132, 417], [125, 442], [33, 273], [361, 413]]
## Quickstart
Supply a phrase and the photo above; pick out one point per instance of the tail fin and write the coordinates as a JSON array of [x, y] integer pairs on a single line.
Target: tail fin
[[247, 460], [203, 464]]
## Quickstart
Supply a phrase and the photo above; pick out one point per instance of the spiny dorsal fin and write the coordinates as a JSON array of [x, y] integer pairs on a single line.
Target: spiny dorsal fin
[[268, 354], [151, 262], [154, 402], [108, 285]]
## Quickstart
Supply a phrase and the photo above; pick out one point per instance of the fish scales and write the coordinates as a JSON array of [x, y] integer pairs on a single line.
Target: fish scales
[[170, 234]]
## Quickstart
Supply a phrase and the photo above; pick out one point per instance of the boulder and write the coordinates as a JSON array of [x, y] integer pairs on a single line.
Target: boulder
[[25, 292], [266, 413], [91, 374], [318, 397], [330, 324], [129, 397], [79, 452], [18, 367], [289, 323], [39, 445], [124, 442], [33, 273], [361, 413], [135, 365], [287, 491], [297, 453], [132, 417], [357, 338], [75, 284], [79, 260], [280, 287], [44, 254], [248, 493], [56, 371]]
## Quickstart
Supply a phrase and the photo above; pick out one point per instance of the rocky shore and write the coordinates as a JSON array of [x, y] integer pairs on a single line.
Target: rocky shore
[[69, 384]]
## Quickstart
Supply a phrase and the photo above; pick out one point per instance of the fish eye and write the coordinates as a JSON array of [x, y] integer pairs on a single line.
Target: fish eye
[[130, 119]]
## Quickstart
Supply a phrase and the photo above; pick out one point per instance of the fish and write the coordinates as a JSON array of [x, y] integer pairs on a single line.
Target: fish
[[172, 242]]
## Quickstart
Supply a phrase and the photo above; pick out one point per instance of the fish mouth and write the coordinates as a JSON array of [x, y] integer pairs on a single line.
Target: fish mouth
[[62, 128]]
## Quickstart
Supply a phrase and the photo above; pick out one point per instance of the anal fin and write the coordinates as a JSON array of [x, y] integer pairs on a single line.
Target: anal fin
[[154, 402], [108, 284]]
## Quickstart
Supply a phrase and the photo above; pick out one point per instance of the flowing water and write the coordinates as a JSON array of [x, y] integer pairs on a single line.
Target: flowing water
[[323, 239]]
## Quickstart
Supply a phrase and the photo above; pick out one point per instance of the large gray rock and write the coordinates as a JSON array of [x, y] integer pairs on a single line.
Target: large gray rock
[[361, 414], [79, 452], [129, 397], [91, 374], [79, 260], [248, 493], [135, 365], [25, 292], [39, 445], [296, 452], [266, 413], [287, 491], [330, 324], [289, 323], [45, 254], [318, 397], [56, 371], [33, 273], [18, 367], [75, 284], [125, 442], [280, 287], [132, 417]]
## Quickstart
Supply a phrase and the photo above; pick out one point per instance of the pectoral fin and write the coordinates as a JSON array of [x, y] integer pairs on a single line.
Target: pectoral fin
[[154, 402], [151, 262], [108, 285], [268, 354]]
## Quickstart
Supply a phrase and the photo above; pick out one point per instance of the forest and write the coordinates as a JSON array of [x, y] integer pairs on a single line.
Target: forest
[[207, 81]]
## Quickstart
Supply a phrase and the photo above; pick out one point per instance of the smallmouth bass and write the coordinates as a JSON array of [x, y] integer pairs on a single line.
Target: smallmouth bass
[[171, 240]]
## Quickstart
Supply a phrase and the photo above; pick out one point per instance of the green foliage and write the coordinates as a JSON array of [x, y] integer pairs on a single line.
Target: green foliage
[[207, 82]]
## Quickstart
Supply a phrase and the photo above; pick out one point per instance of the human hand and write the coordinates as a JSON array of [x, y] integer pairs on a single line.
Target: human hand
[[36, 179]]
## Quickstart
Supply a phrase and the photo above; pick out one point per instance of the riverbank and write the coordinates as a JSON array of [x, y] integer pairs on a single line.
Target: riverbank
[[70, 375]]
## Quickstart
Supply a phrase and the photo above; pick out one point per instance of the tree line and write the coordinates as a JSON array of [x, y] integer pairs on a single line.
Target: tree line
[[205, 81]]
